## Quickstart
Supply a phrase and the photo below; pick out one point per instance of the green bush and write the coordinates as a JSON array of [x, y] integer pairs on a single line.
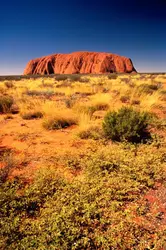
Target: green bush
[[5, 104], [127, 125]]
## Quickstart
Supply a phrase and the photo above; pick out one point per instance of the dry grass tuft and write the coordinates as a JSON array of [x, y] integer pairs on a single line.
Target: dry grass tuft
[[60, 119]]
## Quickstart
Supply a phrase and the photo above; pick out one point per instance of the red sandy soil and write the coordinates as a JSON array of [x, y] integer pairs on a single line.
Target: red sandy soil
[[34, 146]]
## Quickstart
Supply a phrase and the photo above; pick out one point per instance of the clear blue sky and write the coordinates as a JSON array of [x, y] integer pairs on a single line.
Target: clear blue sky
[[30, 29]]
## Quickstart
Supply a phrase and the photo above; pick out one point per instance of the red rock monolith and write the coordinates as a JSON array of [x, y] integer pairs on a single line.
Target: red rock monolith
[[80, 63]]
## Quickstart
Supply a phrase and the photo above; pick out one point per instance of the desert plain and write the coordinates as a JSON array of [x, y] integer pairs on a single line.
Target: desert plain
[[66, 184]]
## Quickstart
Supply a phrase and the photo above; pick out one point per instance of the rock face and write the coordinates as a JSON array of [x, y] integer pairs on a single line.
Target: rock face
[[80, 62]]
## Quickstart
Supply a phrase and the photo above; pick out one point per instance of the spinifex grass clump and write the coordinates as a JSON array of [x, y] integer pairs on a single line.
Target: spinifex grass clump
[[90, 132], [32, 115], [52, 123], [9, 84], [149, 88], [59, 120], [127, 125], [5, 104]]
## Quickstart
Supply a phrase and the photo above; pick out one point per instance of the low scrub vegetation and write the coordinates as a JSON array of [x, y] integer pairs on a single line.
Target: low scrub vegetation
[[92, 185], [59, 120], [149, 88], [31, 115], [5, 104], [61, 77], [46, 93], [8, 85], [93, 212], [127, 124], [90, 132]]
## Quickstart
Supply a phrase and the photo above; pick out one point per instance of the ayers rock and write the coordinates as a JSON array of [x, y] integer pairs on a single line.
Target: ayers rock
[[80, 62]]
